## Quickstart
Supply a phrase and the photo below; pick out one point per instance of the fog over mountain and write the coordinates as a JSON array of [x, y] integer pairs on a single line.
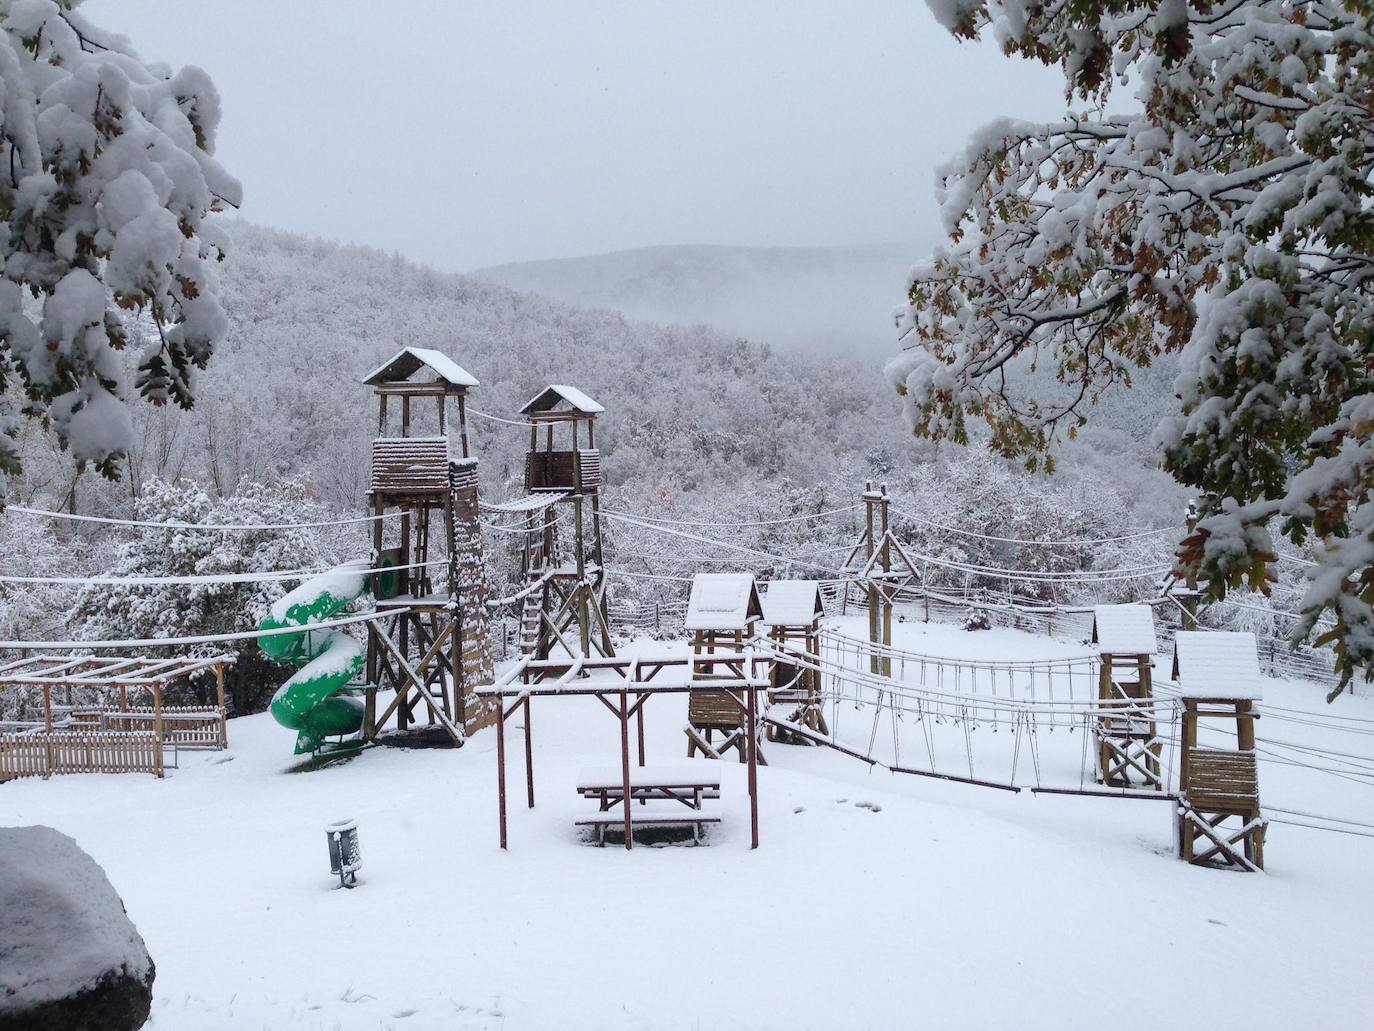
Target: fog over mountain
[[828, 299]]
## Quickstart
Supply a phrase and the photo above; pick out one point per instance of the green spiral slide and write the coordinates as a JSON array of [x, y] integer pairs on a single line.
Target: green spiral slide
[[309, 702]]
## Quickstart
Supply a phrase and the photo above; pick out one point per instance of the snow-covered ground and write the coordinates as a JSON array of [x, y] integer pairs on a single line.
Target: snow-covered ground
[[874, 900]]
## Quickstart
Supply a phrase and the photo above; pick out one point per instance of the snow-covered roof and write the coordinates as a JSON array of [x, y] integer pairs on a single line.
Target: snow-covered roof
[[792, 603], [722, 601], [554, 394], [410, 360], [1124, 629], [1217, 664]]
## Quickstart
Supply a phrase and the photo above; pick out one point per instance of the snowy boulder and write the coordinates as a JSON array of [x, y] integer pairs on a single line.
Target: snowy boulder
[[70, 958]]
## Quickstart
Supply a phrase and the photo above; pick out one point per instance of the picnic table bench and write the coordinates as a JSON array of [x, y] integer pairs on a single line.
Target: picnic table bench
[[666, 795]]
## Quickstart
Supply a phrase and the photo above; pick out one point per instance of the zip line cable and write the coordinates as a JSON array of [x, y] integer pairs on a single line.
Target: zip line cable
[[1041, 543], [154, 525], [727, 525]]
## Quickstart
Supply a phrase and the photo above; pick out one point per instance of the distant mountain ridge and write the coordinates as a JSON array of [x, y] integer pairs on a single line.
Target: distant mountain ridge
[[822, 299]]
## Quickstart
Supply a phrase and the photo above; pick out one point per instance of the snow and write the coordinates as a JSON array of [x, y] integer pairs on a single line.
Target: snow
[[971, 908], [438, 362], [722, 601], [342, 582], [1124, 629], [792, 602], [64, 924], [579, 401], [1217, 664]]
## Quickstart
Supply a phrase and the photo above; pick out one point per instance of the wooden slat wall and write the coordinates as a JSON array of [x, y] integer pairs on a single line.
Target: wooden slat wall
[[402, 465], [589, 469]]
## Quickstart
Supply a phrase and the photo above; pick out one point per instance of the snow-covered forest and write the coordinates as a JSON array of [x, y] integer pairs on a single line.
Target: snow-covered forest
[[699, 427]]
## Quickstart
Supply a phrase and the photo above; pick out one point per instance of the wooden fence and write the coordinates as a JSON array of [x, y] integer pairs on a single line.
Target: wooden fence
[[44, 753], [190, 726]]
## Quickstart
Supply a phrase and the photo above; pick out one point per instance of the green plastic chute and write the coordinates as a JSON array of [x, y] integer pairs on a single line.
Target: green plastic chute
[[309, 702]]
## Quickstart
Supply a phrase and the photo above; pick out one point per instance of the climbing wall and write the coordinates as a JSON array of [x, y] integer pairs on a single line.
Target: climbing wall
[[468, 580]]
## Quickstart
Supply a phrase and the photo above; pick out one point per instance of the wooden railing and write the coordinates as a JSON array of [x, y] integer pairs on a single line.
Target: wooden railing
[[188, 726]]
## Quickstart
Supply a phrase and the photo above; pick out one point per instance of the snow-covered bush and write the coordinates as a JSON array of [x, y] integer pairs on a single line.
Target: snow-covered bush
[[1226, 218], [110, 178], [105, 612]]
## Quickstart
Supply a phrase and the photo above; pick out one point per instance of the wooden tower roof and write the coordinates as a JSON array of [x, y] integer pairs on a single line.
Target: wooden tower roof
[[548, 399], [1220, 664], [1124, 630], [792, 603], [408, 361], [723, 601]]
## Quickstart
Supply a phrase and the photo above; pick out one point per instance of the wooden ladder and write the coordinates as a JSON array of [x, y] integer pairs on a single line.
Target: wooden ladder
[[531, 617]]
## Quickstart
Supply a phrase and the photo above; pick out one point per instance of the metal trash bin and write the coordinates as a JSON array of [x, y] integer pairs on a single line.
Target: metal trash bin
[[344, 856]]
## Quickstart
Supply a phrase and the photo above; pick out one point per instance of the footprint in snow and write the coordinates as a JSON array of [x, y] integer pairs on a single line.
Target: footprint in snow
[[799, 809], [872, 807]]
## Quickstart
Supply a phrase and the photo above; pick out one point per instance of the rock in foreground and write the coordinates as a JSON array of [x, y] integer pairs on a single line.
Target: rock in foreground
[[70, 958]]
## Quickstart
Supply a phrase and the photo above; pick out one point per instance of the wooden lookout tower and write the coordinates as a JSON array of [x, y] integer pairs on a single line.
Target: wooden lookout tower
[[722, 613], [1219, 817], [1128, 745], [565, 599], [434, 647], [792, 611]]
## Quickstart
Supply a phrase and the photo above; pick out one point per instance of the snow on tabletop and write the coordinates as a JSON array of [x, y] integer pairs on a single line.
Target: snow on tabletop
[[572, 395], [64, 923], [344, 581], [444, 366], [593, 777], [721, 601], [1124, 629], [792, 602], [1217, 664]]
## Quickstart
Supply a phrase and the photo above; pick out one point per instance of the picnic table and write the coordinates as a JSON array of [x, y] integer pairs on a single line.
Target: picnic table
[[660, 796]]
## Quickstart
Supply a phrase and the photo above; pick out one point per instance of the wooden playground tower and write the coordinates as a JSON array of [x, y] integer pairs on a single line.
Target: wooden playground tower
[[721, 616], [1219, 818], [1129, 746], [433, 647], [880, 578], [565, 579], [792, 611]]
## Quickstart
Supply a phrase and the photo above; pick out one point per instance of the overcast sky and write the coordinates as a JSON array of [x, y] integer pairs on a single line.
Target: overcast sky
[[465, 133]]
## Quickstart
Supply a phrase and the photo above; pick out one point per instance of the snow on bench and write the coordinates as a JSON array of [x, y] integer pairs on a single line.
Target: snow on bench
[[601, 778], [650, 815]]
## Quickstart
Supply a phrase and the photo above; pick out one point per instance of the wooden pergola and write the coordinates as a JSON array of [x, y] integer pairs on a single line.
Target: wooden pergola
[[623, 685], [113, 673]]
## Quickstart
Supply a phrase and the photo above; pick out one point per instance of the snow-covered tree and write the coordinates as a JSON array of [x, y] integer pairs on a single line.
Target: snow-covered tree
[[1225, 215], [107, 612], [106, 178]]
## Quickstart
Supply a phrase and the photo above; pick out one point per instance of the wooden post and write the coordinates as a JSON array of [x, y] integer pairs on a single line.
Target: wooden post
[[625, 766], [874, 632], [463, 424], [529, 756], [157, 728], [501, 765], [223, 720], [639, 726], [752, 745], [887, 583], [583, 612]]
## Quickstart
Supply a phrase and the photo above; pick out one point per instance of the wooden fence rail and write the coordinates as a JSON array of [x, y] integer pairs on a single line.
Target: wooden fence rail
[[43, 754]]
